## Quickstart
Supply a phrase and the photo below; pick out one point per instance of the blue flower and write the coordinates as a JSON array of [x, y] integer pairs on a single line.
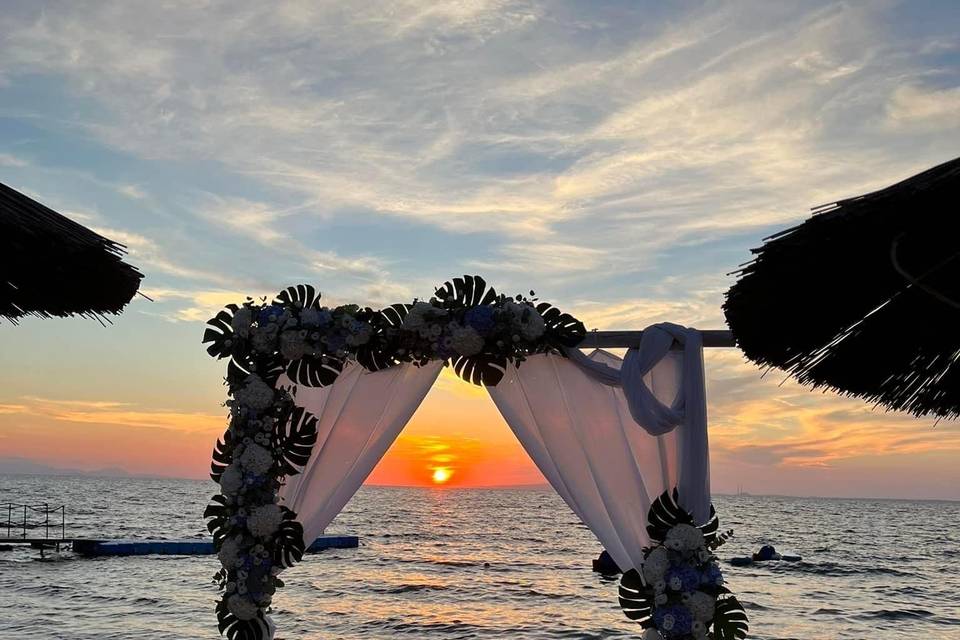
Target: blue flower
[[481, 319], [267, 311], [682, 578], [673, 621], [711, 575], [335, 342]]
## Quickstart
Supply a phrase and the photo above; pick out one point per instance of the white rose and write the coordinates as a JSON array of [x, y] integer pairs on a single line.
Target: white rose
[[255, 393], [243, 608], [684, 537], [231, 479], [264, 339], [655, 565], [651, 634], [256, 459], [292, 345], [534, 326], [466, 341], [241, 322], [701, 605], [265, 520], [416, 315], [229, 550]]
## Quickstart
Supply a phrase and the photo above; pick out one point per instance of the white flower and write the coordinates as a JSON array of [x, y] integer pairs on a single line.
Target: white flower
[[684, 537], [229, 551], [264, 339], [292, 345], [660, 599], [241, 322], [534, 326], [668, 622], [651, 634], [466, 341], [265, 520], [416, 315], [655, 566], [256, 459], [255, 393], [701, 606], [243, 608], [231, 479]]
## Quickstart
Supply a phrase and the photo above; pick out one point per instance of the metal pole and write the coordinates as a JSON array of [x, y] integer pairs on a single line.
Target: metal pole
[[24, 522], [46, 513], [626, 339], [63, 521]]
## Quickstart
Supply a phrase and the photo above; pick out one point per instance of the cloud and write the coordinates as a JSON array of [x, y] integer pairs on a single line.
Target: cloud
[[108, 412], [917, 107], [7, 160]]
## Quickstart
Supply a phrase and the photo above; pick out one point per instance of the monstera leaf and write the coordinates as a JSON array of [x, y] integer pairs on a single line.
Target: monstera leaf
[[635, 600], [295, 435], [379, 353], [312, 371], [222, 456], [219, 524], [288, 544], [482, 370], [563, 330], [236, 629], [468, 291], [666, 513], [730, 621], [302, 296], [219, 332]]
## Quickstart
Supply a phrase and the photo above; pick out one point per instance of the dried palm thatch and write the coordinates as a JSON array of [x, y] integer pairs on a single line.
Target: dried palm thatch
[[864, 297], [52, 266]]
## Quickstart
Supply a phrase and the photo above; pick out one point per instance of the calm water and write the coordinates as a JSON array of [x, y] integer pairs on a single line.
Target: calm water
[[872, 569]]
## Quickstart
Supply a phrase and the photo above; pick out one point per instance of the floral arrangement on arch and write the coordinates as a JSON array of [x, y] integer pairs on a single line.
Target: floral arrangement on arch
[[679, 593], [466, 324]]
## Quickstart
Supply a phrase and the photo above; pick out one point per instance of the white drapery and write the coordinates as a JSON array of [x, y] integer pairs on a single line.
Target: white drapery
[[609, 435], [359, 417], [581, 434]]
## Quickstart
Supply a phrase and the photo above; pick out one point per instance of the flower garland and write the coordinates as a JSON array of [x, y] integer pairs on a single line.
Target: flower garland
[[466, 324], [679, 592]]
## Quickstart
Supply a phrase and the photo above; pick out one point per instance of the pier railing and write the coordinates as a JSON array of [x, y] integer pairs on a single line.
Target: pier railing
[[22, 518]]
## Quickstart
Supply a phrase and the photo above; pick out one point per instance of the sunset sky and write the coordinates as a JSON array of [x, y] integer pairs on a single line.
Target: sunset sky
[[620, 158]]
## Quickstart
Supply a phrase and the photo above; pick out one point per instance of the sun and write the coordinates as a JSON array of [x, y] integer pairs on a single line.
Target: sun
[[441, 475]]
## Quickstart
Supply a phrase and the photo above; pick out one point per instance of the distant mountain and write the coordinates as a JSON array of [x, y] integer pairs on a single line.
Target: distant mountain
[[23, 466]]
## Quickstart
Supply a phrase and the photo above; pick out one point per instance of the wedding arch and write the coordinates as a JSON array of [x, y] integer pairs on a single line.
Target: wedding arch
[[317, 395]]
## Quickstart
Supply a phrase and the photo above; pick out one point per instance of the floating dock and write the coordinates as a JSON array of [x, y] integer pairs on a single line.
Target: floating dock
[[198, 547]]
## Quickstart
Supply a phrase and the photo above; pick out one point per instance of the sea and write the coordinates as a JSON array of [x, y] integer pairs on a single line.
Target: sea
[[478, 563]]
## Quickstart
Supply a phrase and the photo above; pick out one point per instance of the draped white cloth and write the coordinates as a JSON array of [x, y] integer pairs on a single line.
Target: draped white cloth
[[359, 415], [581, 434]]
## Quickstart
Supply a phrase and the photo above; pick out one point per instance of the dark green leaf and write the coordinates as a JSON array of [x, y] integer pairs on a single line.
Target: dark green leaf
[[288, 543], [236, 629], [562, 329], [295, 434], [665, 513], [635, 599], [219, 332], [312, 371], [468, 291], [301, 296], [730, 620], [482, 370], [222, 456]]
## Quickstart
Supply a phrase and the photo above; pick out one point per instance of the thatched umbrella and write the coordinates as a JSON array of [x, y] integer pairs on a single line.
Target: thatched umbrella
[[52, 266], [863, 297]]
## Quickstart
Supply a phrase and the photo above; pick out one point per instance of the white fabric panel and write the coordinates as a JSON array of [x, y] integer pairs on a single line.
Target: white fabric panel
[[360, 415], [660, 414], [582, 436]]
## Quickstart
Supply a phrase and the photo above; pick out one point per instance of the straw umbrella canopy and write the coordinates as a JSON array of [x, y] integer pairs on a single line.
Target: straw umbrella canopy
[[863, 297], [52, 266]]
